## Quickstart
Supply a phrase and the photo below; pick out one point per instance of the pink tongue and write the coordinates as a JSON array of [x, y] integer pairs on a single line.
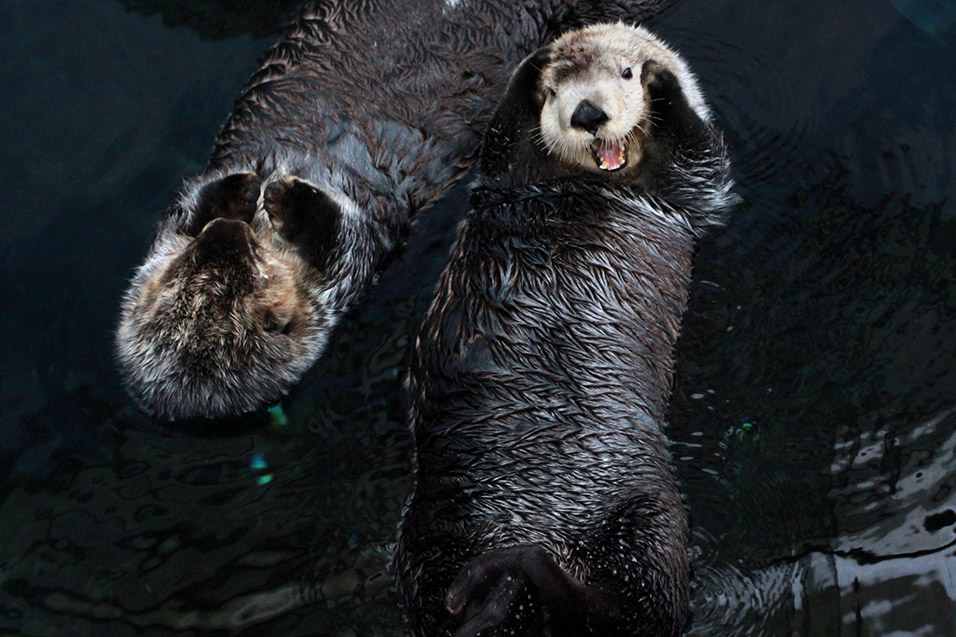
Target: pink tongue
[[610, 153]]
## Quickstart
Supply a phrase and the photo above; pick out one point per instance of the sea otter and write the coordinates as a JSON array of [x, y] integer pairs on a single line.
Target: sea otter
[[358, 117], [545, 500]]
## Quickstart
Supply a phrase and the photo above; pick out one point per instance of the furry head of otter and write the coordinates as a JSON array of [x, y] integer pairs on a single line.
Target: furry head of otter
[[594, 105], [230, 308]]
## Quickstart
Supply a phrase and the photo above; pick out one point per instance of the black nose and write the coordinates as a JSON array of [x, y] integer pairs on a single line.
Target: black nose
[[589, 117]]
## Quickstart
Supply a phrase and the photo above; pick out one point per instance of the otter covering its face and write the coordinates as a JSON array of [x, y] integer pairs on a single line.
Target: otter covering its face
[[229, 319], [546, 501], [594, 108]]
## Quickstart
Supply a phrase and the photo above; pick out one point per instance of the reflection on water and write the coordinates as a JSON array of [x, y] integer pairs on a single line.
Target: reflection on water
[[814, 413], [815, 406]]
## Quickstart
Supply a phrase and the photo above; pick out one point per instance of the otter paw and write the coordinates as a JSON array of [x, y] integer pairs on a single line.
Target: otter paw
[[515, 588], [290, 204], [664, 89], [304, 216], [673, 117], [234, 196], [660, 82], [244, 189]]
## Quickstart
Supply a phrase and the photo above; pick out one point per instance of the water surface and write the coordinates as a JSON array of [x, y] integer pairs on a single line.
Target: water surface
[[814, 413]]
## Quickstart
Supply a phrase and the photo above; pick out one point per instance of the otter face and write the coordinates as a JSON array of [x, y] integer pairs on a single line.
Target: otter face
[[227, 320], [595, 111]]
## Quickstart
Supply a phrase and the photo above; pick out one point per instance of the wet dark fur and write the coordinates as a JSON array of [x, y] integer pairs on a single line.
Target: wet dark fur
[[545, 500], [380, 102]]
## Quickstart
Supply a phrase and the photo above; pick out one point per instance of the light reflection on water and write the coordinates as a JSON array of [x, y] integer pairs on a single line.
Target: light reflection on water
[[824, 315], [814, 414]]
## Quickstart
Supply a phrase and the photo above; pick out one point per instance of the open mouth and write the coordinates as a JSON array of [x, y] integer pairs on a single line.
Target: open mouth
[[609, 155]]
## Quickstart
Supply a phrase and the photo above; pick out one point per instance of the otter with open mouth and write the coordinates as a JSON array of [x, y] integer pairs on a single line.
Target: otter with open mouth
[[545, 501], [596, 111]]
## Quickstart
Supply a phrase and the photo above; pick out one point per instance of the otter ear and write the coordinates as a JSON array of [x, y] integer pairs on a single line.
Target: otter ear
[[306, 217]]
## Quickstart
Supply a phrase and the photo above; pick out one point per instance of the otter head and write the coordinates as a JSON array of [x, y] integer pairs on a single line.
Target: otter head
[[225, 315], [594, 106]]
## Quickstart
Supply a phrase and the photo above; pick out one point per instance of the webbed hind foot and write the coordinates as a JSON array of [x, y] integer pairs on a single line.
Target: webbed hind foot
[[523, 589]]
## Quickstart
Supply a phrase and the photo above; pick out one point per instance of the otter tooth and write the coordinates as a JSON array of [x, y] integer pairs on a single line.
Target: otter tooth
[[602, 155]]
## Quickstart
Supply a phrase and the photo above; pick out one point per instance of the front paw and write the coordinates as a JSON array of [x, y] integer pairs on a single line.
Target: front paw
[[674, 120], [519, 589], [293, 203], [660, 82], [241, 198], [234, 196], [303, 215], [667, 97]]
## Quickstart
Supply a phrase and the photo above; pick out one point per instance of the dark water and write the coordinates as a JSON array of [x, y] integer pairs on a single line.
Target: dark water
[[814, 414]]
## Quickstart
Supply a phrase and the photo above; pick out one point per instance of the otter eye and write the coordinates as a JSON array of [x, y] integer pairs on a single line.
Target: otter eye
[[551, 92], [627, 74]]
